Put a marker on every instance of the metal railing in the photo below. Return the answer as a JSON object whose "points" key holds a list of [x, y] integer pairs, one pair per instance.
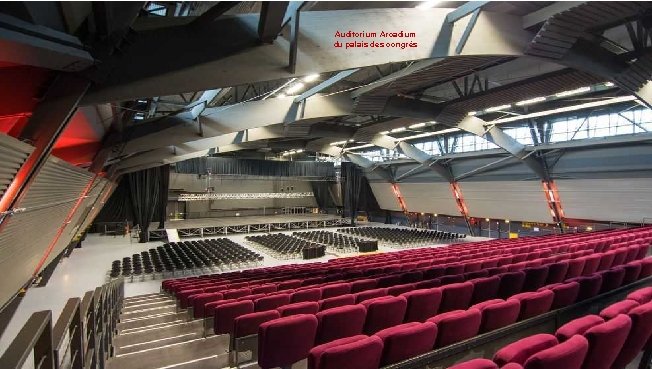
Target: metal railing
{"points": [[81, 338]]}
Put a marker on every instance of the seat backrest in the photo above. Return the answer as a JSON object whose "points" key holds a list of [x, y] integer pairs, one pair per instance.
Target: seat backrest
{"points": [[400, 289], [567, 355], [290, 284], [607, 260], [589, 286], [360, 352], [475, 364], [284, 341], [511, 283], [499, 314], [557, 272], [535, 278], [612, 279], [369, 294], [422, 304], [642, 296], [534, 303], [384, 312], [248, 324], [389, 280], [272, 302], [340, 322], [450, 279], [518, 352], [639, 335], [605, 341], [310, 294], [485, 288], [336, 301], [632, 272], [336, 289], [577, 326], [404, 341], [591, 264], [266, 288], [456, 326], [620, 307], [456, 296], [565, 294], [363, 285], [227, 313], [203, 299], [306, 307]]}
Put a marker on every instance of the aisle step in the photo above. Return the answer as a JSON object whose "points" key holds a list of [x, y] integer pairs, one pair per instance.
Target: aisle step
{"points": [[158, 333], [147, 305], [142, 313], [137, 323]]}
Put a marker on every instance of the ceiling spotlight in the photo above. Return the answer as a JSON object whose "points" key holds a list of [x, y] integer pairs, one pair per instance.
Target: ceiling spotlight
{"points": [[531, 101], [294, 88], [574, 92], [299, 151], [399, 129], [497, 108], [609, 84], [351, 140], [471, 113], [418, 125], [281, 95], [427, 4], [384, 132], [311, 78], [338, 143]]}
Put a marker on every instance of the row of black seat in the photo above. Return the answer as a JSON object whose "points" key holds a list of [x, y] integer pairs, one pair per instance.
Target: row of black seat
{"points": [[221, 253], [283, 246], [334, 241], [403, 237]]}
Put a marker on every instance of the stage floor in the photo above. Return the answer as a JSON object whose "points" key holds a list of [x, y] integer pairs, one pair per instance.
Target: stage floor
{"points": [[242, 221]]}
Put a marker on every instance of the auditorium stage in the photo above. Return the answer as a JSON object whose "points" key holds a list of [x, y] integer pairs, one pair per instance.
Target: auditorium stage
{"points": [[204, 227]]}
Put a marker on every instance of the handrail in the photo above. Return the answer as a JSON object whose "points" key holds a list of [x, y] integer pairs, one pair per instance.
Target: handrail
{"points": [[35, 336], [69, 325], [558, 317]]}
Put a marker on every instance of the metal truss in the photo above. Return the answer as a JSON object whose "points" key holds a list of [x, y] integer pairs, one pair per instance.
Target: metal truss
{"points": [[243, 196]]}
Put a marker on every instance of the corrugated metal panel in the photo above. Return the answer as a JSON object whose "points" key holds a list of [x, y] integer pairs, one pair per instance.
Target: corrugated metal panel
{"points": [[107, 189], [511, 200], [13, 154], [385, 196], [27, 235], [614, 199], [435, 198]]}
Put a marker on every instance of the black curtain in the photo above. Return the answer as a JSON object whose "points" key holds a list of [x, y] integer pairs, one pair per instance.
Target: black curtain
{"points": [[139, 198], [254, 167], [352, 184], [323, 194]]}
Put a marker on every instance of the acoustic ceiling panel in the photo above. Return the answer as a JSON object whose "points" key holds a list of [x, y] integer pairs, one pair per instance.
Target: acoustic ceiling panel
{"points": [[385, 196], [435, 198], [522, 200], [612, 199]]}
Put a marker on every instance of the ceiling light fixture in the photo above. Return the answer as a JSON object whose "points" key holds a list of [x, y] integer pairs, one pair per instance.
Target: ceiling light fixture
{"points": [[338, 143], [294, 88], [573, 92], [609, 84], [311, 78], [281, 95], [471, 113], [399, 129], [428, 134], [531, 101], [384, 132], [418, 125], [497, 108], [427, 4]]}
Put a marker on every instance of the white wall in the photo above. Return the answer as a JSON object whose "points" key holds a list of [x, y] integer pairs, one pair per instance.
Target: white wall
{"points": [[514, 200], [435, 198], [612, 199], [385, 196]]}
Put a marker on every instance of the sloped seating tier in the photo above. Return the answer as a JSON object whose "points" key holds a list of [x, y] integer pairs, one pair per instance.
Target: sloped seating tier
{"points": [[611, 340], [220, 253], [403, 237], [366, 280]]}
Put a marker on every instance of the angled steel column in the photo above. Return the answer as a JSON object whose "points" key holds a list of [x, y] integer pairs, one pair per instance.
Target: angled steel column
{"points": [[48, 120]]}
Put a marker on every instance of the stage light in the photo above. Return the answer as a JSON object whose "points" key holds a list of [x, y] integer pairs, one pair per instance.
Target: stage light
{"points": [[311, 78]]}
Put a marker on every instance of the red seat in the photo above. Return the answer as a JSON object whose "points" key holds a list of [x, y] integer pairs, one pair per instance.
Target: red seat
{"points": [[565, 294], [535, 278], [234, 294], [518, 352], [360, 352], [456, 296], [577, 326], [406, 340], [484, 289], [384, 312], [336, 301], [497, 313], [310, 294], [557, 272], [620, 307], [363, 285], [284, 341], [575, 267], [369, 294], [534, 303], [511, 283], [225, 315], [589, 286], [605, 341], [642, 296], [475, 364], [272, 302], [202, 299], [400, 289], [248, 324], [567, 355], [306, 307], [334, 290], [632, 271], [591, 264], [422, 304], [265, 288], [611, 279], [340, 322], [456, 326]]}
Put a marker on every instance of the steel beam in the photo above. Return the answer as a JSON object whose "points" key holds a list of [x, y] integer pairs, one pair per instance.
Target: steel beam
{"points": [[271, 20], [417, 66], [464, 10], [542, 15], [325, 84], [29, 44], [213, 13], [43, 129], [145, 69]]}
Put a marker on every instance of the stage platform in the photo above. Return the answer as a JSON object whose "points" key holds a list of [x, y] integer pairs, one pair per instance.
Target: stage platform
{"points": [[207, 227]]}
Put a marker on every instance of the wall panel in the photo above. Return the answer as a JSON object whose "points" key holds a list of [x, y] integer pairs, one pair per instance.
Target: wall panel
{"points": [[514, 200], [613, 199], [435, 198], [385, 196], [12, 155], [26, 235]]}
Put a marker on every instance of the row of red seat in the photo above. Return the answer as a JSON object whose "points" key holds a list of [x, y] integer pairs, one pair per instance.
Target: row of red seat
{"points": [[610, 340], [407, 326]]}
